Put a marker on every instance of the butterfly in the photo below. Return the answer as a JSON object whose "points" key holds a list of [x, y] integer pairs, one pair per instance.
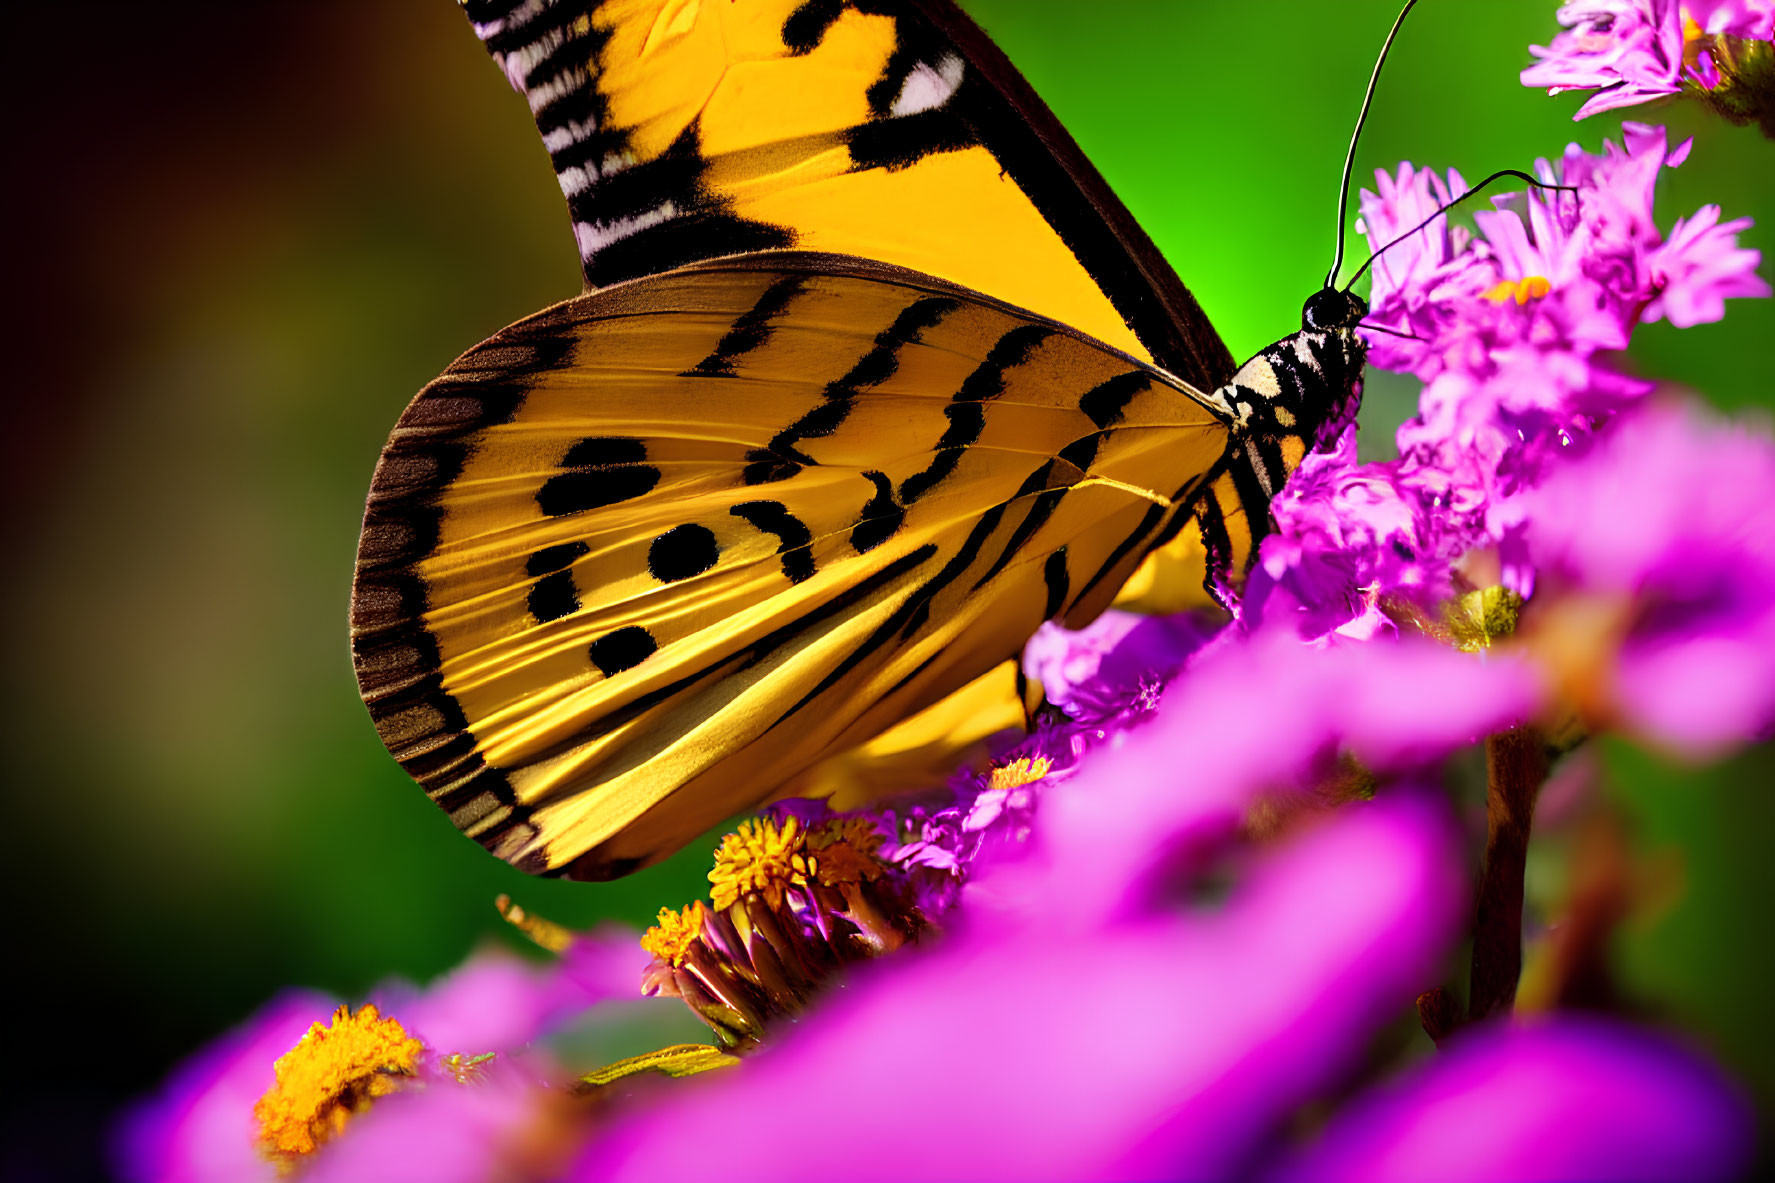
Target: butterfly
{"points": [[872, 375]]}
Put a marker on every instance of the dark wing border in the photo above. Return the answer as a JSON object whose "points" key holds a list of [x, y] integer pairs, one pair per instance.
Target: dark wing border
{"points": [[1047, 163]]}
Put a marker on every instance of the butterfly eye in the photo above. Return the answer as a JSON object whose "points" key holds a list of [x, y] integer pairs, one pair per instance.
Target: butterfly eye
{"points": [[1329, 309]]}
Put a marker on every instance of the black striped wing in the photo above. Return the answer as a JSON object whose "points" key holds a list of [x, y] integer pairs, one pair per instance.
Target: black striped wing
{"points": [[636, 561], [685, 130]]}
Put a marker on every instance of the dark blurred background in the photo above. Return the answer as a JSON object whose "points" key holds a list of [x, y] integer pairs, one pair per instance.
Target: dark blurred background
{"points": [[243, 235]]}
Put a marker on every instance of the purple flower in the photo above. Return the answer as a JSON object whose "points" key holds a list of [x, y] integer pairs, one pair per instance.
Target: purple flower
{"points": [[1513, 327], [1083, 671], [1632, 50], [1635, 51], [1395, 706], [1569, 1099], [1658, 557], [1700, 267], [504, 1120], [200, 1126], [1172, 1043]]}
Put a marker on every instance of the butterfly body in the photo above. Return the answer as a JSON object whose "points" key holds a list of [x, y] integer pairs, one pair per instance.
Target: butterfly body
{"points": [[637, 562]]}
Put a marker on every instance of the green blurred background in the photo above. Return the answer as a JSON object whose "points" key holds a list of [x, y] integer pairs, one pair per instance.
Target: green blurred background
{"points": [[244, 235]]}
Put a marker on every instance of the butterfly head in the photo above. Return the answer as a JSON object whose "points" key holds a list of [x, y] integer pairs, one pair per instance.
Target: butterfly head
{"points": [[1308, 385], [1330, 310]]}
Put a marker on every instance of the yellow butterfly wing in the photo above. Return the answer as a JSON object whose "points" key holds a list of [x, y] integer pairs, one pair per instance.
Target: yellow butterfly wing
{"points": [[638, 560], [684, 130]]}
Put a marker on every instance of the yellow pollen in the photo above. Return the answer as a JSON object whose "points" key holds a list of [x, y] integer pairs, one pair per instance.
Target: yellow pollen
{"points": [[761, 858], [1479, 618], [670, 939], [1024, 770], [1532, 288], [332, 1074], [844, 851], [1692, 30]]}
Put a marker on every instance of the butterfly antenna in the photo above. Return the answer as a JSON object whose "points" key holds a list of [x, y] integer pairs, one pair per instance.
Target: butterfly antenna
{"points": [[1446, 206], [1343, 197]]}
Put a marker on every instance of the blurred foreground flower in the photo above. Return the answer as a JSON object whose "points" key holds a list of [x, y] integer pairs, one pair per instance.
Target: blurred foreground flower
{"points": [[202, 1127], [1657, 586], [1635, 51], [1162, 1012], [1569, 1099]]}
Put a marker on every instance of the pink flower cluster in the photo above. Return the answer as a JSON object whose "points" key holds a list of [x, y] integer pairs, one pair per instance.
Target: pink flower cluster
{"points": [[1634, 51], [1511, 330]]}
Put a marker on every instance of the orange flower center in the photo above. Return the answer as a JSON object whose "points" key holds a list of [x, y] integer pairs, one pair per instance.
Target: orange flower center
{"points": [[329, 1077], [1522, 291]]}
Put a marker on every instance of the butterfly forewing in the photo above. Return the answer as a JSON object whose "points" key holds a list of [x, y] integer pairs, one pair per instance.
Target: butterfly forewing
{"points": [[683, 130], [637, 561]]}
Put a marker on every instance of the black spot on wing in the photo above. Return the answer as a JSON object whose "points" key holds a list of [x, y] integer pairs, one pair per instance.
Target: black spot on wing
{"points": [[966, 422], [681, 552], [914, 42], [1012, 349], [1104, 404], [594, 488], [622, 650], [881, 516], [485, 12], [807, 25], [555, 558], [941, 465], [764, 467], [793, 536], [602, 470], [604, 450], [822, 611], [553, 596]]}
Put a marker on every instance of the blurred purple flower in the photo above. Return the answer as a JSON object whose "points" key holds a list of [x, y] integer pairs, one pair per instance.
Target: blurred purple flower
{"points": [[1634, 51], [1171, 1043], [200, 1127], [1568, 1099], [1630, 50], [1395, 706], [1662, 540], [478, 1131]]}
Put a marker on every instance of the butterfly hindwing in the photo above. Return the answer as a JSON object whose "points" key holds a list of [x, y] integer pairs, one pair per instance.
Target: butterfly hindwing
{"points": [[685, 130], [636, 561]]}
